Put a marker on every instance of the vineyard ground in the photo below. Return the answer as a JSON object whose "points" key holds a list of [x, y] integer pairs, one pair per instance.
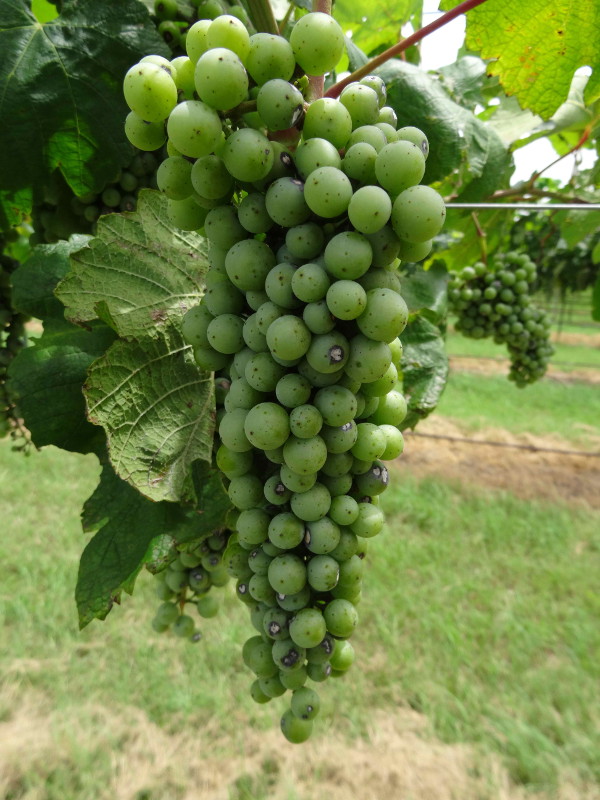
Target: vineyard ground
{"points": [[477, 643]]}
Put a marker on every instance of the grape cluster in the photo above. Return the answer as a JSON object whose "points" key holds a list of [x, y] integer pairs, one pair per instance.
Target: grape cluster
{"points": [[188, 580], [494, 300], [62, 213], [300, 318], [173, 18], [12, 339]]}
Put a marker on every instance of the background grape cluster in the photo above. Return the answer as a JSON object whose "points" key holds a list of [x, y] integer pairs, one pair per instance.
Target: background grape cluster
{"points": [[299, 321], [495, 300], [188, 581], [12, 339]]}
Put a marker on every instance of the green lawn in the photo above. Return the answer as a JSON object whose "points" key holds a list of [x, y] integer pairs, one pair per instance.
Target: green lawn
{"points": [[479, 610], [546, 407], [568, 355]]}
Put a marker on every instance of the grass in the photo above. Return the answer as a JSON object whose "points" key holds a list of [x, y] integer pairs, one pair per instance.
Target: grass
{"points": [[480, 611], [566, 354], [546, 407]]}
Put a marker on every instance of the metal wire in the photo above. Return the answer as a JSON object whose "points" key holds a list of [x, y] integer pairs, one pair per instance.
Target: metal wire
{"points": [[531, 447], [530, 206]]}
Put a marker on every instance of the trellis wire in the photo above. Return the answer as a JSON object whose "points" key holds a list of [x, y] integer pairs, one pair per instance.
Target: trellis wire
{"points": [[491, 443], [529, 206]]}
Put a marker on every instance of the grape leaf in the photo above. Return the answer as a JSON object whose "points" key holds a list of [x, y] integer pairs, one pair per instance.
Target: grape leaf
{"points": [[47, 377], [376, 25], [34, 282], [61, 100], [132, 531], [536, 47], [157, 409], [138, 274], [424, 368], [424, 291], [457, 139], [46, 380]]}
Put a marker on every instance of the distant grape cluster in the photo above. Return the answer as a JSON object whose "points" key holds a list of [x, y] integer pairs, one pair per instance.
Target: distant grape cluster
{"points": [[494, 300], [173, 18], [300, 319], [62, 213], [12, 339], [188, 581]]}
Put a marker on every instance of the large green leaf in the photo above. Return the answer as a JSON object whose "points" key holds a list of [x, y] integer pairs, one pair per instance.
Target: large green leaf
{"points": [[46, 380], [424, 368], [34, 282], [138, 274], [457, 139], [47, 377], [61, 101], [537, 46], [132, 531], [157, 408], [425, 291], [376, 25]]}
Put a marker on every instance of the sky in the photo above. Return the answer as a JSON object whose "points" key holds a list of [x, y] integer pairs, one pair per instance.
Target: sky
{"points": [[440, 48]]}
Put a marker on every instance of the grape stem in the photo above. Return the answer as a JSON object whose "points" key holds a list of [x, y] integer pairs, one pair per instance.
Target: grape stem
{"points": [[400, 47], [316, 83], [261, 14]]}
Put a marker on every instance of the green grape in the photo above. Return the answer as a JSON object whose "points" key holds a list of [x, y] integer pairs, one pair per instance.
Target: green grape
{"points": [[186, 214], [368, 134], [220, 78], [183, 75], [312, 504], [286, 531], [399, 165], [385, 315], [305, 456], [318, 42], [310, 282], [278, 286], [359, 162], [343, 656], [369, 209], [305, 241], [418, 214], [314, 153], [412, 252], [305, 421], [292, 390], [378, 85], [150, 91], [369, 360], [210, 178], [272, 687], [196, 39], [279, 104], [336, 404], [368, 523], [288, 337], [263, 373], [267, 426], [388, 116], [207, 606], [248, 155], [348, 255], [194, 128], [328, 192], [341, 617], [362, 103], [232, 433], [339, 439], [227, 31], [391, 409], [305, 703], [225, 333], [144, 135], [253, 215], [307, 628], [318, 317], [183, 626], [285, 202], [223, 228], [248, 263], [414, 135], [252, 526], [287, 655], [269, 57], [327, 119], [346, 299], [256, 655]]}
